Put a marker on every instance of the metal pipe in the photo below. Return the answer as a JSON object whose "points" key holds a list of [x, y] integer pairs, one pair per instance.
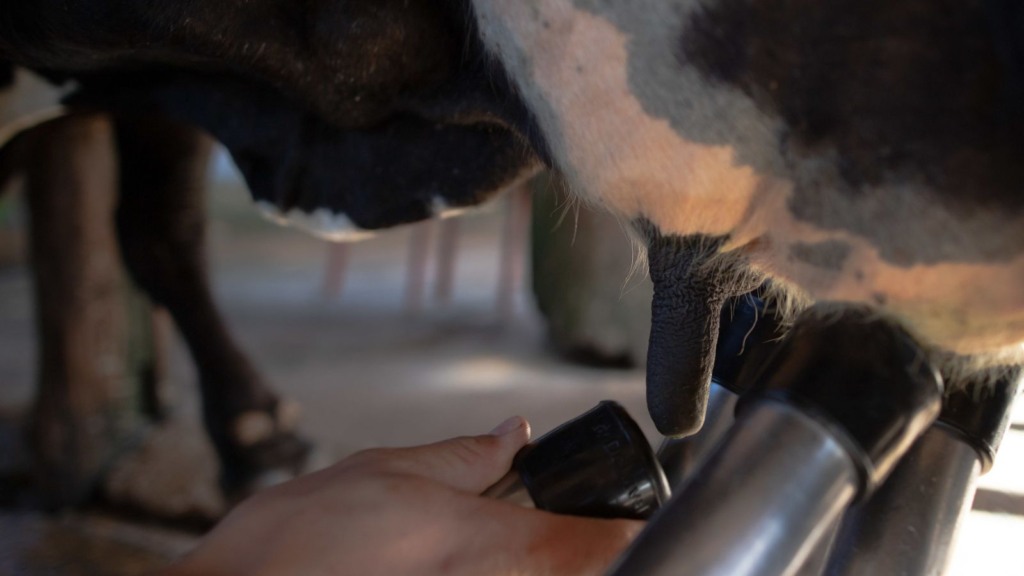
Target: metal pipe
{"points": [[908, 526], [817, 561], [824, 420], [679, 457], [765, 496]]}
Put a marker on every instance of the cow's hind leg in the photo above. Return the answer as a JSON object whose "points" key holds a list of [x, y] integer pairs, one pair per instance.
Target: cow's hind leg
{"points": [[83, 413], [160, 225]]}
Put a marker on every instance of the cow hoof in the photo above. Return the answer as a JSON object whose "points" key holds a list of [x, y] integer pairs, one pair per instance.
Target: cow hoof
{"points": [[253, 427], [264, 450], [171, 475], [287, 414], [280, 457]]}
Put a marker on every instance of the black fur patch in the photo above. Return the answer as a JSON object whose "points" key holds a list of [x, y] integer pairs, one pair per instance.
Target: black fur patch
{"points": [[373, 108], [353, 63], [382, 176], [828, 255], [916, 91], [6, 74]]}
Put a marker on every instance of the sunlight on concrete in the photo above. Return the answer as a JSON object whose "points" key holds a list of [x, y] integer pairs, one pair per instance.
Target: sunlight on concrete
{"points": [[1007, 474], [990, 545]]}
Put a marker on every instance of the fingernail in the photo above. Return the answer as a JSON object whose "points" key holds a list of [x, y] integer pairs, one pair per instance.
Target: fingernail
{"points": [[508, 426]]}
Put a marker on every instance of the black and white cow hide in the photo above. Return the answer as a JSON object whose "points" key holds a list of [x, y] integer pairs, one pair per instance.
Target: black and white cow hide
{"points": [[864, 152]]}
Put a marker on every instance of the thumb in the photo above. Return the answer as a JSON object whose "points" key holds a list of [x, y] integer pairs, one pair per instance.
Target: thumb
{"points": [[469, 463]]}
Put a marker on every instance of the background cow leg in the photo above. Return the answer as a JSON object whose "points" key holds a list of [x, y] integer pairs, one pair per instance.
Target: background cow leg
{"points": [[161, 224], [86, 410]]}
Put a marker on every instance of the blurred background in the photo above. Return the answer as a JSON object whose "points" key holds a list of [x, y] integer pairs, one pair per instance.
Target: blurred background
{"points": [[414, 335]]}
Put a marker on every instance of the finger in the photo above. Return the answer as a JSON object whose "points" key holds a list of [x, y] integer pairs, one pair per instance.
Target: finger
{"points": [[469, 463]]}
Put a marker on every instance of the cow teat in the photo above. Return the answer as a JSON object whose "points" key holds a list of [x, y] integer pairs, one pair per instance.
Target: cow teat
{"points": [[692, 282]]}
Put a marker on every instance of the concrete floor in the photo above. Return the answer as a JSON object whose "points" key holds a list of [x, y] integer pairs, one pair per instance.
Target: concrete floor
{"points": [[368, 373]]}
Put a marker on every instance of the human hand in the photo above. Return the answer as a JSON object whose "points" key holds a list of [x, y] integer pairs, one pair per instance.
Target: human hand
{"points": [[406, 511]]}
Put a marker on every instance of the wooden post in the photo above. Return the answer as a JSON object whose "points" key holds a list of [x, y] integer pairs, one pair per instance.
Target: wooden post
{"points": [[338, 255], [513, 249], [420, 237], [447, 256]]}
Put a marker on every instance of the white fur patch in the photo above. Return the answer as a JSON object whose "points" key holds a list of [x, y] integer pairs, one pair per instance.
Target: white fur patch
{"points": [[31, 101], [338, 227], [321, 223], [440, 208]]}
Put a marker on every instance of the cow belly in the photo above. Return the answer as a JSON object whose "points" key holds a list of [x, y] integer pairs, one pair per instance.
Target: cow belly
{"points": [[578, 72], [644, 136], [964, 308], [915, 266]]}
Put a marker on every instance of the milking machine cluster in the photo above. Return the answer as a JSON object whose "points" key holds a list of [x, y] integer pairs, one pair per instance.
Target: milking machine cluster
{"points": [[832, 451]]}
